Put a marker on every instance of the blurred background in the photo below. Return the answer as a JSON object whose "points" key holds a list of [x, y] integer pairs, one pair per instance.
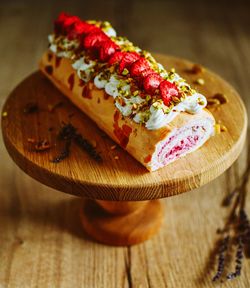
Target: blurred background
{"points": [[213, 33]]}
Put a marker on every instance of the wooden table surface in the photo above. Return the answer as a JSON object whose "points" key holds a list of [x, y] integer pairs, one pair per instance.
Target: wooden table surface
{"points": [[41, 240]]}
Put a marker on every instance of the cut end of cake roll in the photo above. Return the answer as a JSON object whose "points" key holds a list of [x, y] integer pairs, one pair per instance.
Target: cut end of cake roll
{"points": [[182, 141]]}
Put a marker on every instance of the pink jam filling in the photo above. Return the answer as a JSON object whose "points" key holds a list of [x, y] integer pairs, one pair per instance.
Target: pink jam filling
{"points": [[184, 144], [182, 147]]}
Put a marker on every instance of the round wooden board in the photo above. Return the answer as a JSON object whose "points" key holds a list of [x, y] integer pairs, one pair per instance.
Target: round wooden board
{"points": [[123, 179]]}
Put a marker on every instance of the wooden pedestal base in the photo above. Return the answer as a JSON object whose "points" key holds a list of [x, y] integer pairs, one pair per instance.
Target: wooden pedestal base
{"points": [[121, 223]]}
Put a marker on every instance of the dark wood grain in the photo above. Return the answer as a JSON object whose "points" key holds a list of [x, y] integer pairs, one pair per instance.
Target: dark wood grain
{"points": [[41, 240]]}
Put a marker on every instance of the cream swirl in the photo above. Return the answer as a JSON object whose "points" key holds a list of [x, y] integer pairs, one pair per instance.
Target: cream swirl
{"points": [[84, 68], [192, 104]]}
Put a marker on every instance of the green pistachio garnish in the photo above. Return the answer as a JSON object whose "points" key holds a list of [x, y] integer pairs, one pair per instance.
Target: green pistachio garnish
{"points": [[125, 72], [175, 99], [136, 92]]}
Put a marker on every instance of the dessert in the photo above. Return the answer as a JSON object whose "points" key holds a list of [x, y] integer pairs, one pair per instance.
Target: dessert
{"points": [[152, 113]]}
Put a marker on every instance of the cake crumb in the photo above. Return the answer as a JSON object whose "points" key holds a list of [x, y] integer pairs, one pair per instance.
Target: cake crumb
{"points": [[113, 147], [196, 69], [199, 81], [116, 157], [94, 143]]}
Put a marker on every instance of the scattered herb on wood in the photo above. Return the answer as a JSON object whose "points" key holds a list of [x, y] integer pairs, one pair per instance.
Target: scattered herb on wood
{"points": [[39, 145], [69, 133], [195, 69], [30, 108], [4, 114], [216, 100], [52, 108], [65, 152], [236, 232]]}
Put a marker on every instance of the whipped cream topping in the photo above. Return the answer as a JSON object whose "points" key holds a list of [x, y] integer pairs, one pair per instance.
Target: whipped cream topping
{"points": [[153, 113]]}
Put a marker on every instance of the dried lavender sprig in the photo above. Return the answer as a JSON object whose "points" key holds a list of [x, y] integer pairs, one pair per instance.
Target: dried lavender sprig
{"points": [[65, 152], [238, 260], [239, 224], [87, 146], [221, 261], [69, 132], [228, 199]]}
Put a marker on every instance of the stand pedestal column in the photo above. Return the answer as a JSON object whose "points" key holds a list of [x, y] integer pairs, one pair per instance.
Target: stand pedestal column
{"points": [[121, 223]]}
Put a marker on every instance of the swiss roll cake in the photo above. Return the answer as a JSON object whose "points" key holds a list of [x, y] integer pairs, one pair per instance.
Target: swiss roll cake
{"points": [[152, 113]]}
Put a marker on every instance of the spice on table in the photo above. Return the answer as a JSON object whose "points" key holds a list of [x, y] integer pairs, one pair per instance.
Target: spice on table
{"points": [[238, 227], [30, 108], [39, 145], [64, 153], [31, 140], [87, 146], [69, 133], [223, 247], [51, 107], [113, 147]]}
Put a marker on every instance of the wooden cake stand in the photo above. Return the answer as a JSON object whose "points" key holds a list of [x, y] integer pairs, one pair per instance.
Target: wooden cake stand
{"points": [[120, 206]]}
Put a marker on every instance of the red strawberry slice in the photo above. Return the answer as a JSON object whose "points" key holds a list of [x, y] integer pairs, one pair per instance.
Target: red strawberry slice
{"points": [[69, 22], [145, 73], [94, 39], [116, 57], [128, 59], [152, 82], [138, 66], [107, 49], [64, 23], [58, 24], [81, 28], [167, 90]]}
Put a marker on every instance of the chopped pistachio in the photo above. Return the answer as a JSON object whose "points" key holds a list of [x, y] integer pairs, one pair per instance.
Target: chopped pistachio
{"points": [[112, 69], [136, 92], [125, 71], [200, 81], [221, 98], [201, 102], [217, 128], [212, 102], [223, 128]]}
